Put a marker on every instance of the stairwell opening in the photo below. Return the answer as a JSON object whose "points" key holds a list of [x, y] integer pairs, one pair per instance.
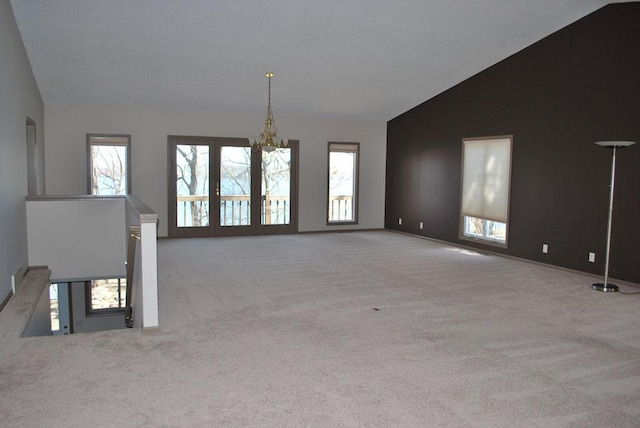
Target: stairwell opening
{"points": [[89, 305]]}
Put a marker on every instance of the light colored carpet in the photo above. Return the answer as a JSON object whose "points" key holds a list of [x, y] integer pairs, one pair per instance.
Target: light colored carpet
{"points": [[342, 330]]}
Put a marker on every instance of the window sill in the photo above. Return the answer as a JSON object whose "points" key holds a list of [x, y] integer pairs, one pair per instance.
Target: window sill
{"points": [[106, 313], [484, 241], [340, 223]]}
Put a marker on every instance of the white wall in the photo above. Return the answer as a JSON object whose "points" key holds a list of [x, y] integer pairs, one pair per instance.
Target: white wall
{"points": [[67, 126], [19, 99], [40, 320]]}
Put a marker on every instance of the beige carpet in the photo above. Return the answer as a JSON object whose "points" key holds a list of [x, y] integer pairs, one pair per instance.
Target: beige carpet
{"points": [[342, 330]]}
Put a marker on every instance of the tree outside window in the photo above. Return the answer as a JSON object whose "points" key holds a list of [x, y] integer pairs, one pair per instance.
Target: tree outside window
{"points": [[108, 164], [342, 204]]}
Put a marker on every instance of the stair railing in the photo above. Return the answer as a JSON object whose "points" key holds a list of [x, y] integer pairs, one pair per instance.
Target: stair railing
{"points": [[134, 236]]}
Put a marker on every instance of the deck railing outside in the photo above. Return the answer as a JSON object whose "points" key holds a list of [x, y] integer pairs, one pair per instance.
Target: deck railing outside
{"points": [[235, 210], [340, 208], [275, 210]]}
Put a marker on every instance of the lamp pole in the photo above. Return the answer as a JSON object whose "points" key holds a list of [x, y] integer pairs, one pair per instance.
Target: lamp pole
{"points": [[613, 145]]}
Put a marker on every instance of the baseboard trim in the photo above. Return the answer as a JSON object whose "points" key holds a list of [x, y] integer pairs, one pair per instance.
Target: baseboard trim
{"points": [[349, 230], [6, 300]]}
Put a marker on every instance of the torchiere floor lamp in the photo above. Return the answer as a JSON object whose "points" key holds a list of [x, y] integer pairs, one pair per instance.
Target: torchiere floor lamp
{"points": [[613, 145]]}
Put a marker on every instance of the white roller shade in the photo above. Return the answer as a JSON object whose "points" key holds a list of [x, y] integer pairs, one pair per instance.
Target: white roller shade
{"points": [[344, 147], [486, 175]]}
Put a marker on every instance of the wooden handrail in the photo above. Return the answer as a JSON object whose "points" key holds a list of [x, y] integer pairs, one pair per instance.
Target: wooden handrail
{"points": [[134, 236]]}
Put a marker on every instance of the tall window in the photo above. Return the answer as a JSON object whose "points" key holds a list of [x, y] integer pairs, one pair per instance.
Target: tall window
{"points": [[486, 177], [108, 164], [342, 206]]}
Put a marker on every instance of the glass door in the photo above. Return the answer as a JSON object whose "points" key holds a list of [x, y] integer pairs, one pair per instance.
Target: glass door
{"points": [[221, 187], [275, 192], [190, 186], [233, 187]]}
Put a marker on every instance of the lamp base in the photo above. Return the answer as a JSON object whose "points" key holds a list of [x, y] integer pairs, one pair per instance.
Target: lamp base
{"points": [[606, 288]]}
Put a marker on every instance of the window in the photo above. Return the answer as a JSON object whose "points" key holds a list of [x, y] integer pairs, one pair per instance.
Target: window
{"points": [[342, 204], [105, 296], [486, 176], [108, 164]]}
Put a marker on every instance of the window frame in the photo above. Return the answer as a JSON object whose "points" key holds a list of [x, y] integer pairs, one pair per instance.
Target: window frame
{"points": [[108, 140], [91, 311], [344, 147], [485, 238], [215, 229]]}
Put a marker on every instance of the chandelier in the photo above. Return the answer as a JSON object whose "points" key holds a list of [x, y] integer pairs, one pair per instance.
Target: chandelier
{"points": [[267, 140]]}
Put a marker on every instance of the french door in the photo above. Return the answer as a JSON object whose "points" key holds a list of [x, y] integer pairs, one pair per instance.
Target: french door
{"points": [[221, 187]]}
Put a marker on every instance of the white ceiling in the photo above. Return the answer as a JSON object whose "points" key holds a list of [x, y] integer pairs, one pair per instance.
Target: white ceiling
{"points": [[345, 59]]}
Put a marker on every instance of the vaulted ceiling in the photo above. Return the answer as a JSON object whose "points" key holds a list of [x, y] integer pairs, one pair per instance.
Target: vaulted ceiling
{"points": [[345, 59]]}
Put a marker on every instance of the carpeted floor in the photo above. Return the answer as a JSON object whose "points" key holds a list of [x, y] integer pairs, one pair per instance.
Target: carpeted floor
{"points": [[342, 330]]}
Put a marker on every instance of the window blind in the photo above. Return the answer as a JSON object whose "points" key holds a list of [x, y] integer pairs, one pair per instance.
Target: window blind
{"points": [[486, 174]]}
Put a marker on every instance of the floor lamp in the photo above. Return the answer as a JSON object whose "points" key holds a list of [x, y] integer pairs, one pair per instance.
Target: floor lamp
{"points": [[613, 145]]}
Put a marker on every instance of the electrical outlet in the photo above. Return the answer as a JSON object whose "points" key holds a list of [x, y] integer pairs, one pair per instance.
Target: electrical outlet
{"points": [[400, 221], [17, 278], [592, 257], [421, 225], [545, 248]]}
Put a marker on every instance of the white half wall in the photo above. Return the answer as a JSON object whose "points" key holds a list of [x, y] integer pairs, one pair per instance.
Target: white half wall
{"points": [[66, 128], [78, 239]]}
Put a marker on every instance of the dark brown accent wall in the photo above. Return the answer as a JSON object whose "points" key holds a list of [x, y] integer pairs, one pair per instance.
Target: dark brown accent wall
{"points": [[556, 97]]}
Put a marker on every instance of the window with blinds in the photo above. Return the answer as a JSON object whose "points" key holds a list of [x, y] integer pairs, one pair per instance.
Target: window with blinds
{"points": [[486, 180]]}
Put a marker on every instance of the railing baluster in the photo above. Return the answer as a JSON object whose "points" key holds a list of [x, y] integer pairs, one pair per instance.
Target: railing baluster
{"points": [[233, 213], [340, 208], [234, 210], [225, 213]]}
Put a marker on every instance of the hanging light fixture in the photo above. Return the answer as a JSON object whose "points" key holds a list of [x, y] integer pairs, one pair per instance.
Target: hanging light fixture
{"points": [[267, 140]]}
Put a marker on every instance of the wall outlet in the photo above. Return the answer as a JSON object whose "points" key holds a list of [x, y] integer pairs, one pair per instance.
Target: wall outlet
{"points": [[421, 225], [400, 221], [545, 248], [592, 257]]}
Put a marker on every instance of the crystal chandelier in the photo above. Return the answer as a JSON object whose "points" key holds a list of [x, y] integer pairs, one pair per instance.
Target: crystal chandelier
{"points": [[267, 140]]}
